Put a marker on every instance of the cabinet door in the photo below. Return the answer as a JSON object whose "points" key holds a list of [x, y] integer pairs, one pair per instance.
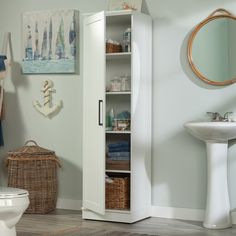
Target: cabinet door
{"points": [[94, 113]]}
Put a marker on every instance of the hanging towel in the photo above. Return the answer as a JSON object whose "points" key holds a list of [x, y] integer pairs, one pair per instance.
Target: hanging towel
{"points": [[5, 60], [2, 62], [1, 101], [3, 74], [1, 135]]}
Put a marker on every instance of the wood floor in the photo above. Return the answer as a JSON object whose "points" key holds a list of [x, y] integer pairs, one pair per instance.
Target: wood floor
{"points": [[32, 225]]}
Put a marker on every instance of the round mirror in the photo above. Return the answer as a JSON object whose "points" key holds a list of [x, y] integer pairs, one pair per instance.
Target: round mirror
{"points": [[212, 49]]}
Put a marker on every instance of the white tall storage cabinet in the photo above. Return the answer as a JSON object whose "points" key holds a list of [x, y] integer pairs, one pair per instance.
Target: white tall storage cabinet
{"points": [[99, 68]]}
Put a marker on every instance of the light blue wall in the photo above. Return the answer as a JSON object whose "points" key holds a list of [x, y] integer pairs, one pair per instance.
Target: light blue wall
{"points": [[63, 133], [179, 160]]}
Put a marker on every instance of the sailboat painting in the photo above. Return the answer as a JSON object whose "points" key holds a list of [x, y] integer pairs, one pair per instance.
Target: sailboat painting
{"points": [[50, 42]]}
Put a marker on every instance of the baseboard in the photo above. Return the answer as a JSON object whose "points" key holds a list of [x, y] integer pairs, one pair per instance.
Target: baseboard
{"points": [[68, 204], [156, 211], [178, 213], [182, 213], [233, 215]]}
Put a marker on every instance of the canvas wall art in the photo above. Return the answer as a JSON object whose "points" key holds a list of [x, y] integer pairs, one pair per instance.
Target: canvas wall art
{"points": [[50, 42]]}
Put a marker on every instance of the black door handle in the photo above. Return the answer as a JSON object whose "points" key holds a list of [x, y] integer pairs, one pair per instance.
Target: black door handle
{"points": [[100, 112]]}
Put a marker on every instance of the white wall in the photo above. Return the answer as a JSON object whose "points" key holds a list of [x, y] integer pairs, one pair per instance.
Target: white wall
{"points": [[179, 160]]}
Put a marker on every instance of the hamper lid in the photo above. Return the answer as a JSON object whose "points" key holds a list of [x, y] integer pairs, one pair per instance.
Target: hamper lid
{"points": [[31, 149], [8, 192]]}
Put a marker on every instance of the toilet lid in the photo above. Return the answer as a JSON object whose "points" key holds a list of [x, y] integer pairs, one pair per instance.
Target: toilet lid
{"points": [[8, 192]]}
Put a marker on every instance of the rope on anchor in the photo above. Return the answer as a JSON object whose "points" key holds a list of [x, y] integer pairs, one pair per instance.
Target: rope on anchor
{"points": [[46, 91]]}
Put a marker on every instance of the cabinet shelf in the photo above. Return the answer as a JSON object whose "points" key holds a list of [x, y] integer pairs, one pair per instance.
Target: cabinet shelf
{"points": [[119, 171], [125, 211], [118, 132], [118, 55], [119, 93]]}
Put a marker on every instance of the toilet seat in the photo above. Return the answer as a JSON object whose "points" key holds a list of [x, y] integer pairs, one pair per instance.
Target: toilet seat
{"points": [[8, 192]]}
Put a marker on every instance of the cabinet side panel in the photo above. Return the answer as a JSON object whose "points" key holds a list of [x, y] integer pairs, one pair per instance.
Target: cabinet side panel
{"points": [[141, 113], [93, 130]]}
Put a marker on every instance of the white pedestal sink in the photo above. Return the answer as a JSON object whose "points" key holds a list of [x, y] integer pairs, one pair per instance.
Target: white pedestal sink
{"points": [[216, 136]]}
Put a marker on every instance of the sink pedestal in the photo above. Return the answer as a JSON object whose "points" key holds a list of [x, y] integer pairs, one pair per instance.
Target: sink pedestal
{"points": [[216, 136], [217, 214]]}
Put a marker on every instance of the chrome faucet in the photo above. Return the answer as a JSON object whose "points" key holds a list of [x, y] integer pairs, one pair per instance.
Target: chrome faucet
{"points": [[216, 116]]}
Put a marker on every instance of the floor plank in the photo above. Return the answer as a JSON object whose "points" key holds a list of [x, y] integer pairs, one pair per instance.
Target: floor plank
{"points": [[59, 220]]}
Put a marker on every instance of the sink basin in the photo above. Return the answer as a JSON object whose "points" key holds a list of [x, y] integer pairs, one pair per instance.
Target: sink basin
{"points": [[216, 136], [215, 131]]}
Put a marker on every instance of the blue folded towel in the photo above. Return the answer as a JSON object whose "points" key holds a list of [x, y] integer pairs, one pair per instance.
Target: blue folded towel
{"points": [[119, 158], [119, 149], [118, 144], [118, 154]]}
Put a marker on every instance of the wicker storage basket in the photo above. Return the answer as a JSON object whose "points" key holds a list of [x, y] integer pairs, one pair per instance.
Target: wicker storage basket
{"points": [[118, 193], [113, 48], [35, 169]]}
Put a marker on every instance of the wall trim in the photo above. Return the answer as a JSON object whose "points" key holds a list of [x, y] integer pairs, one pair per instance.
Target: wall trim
{"points": [[178, 213], [182, 213], [233, 215], [156, 211], [69, 204]]}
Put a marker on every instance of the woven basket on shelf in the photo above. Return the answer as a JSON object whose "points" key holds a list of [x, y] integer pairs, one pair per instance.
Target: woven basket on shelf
{"points": [[113, 48], [118, 193], [35, 169]]}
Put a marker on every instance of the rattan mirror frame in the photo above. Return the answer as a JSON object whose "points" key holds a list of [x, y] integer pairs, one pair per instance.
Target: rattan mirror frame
{"points": [[217, 14]]}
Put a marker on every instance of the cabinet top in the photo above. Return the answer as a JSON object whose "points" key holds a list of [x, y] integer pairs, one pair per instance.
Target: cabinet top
{"points": [[122, 12], [117, 13]]}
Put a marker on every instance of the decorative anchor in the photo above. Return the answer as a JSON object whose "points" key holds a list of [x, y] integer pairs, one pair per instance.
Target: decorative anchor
{"points": [[47, 109]]}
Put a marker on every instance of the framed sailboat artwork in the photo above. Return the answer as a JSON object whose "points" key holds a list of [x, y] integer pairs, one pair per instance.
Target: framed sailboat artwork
{"points": [[50, 42]]}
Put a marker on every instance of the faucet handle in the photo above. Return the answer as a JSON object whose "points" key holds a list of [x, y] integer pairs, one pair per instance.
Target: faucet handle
{"points": [[215, 116], [226, 115]]}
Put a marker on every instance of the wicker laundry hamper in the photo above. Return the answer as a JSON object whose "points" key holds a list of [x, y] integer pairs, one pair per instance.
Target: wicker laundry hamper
{"points": [[34, 168]]}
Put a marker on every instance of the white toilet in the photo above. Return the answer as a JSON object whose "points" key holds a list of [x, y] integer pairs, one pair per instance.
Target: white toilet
{"points": [[13, 203]]}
